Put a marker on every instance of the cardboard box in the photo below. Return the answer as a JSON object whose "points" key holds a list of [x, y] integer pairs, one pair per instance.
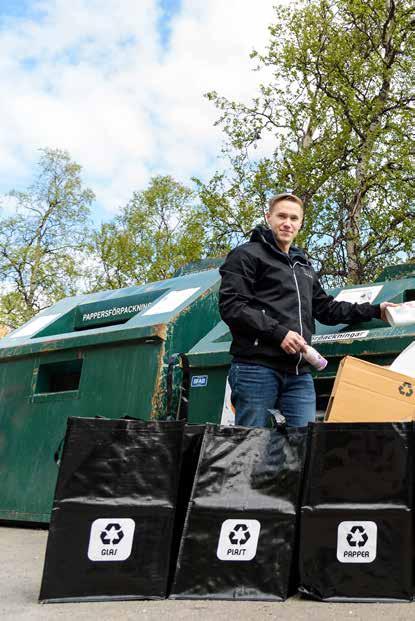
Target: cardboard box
{"points": [[364, 392]]}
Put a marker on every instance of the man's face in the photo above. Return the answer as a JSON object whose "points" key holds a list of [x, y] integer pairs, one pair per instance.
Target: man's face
{"points": [[285, 220]]}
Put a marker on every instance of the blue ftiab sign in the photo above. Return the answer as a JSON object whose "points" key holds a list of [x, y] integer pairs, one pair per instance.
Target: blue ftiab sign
{"points": [[199, 381]]}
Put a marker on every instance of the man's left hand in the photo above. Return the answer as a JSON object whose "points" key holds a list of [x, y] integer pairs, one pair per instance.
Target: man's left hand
{"points": [[383, 307]]}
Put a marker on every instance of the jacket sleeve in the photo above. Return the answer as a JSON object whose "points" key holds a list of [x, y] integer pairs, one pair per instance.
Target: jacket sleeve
{"points": [[326, 310], [237, 301]]}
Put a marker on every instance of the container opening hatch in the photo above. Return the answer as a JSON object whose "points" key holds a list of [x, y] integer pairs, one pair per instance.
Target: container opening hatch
{"points": [[110, 311], [409, 295], [114, 311], [58, 376]]}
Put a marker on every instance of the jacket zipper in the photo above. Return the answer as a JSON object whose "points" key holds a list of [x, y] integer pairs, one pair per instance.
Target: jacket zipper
{"points": [[299, 312], [292, 265]]}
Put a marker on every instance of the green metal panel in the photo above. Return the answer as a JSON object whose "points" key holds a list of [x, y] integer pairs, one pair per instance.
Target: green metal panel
{"points": [[206, 402], [374, 341], [103, 354]]}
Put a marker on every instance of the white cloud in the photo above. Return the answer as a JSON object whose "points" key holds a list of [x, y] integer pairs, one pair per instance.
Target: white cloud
{"points": [[92, 77]]}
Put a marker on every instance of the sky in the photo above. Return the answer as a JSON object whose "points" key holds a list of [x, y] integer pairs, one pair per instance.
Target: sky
{"points": [[119, 84]]}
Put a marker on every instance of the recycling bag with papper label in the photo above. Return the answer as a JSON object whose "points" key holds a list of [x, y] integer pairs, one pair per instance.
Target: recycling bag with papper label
{"points": [[239, 534], [356, 516], [112, 520]]}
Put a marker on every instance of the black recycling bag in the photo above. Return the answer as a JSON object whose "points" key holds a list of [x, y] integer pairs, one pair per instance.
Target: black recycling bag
{"points": [[239, 534], [113, 514], [192, 442], [356, 515]]}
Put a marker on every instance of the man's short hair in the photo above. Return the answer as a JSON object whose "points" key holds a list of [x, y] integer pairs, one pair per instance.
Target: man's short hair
{"points": [[284, 196]]}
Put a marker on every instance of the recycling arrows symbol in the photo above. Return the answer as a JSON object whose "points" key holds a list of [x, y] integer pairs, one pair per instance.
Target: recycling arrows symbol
{"points": [[406, 389], [239, 535], [357, 537], [113, 538]]}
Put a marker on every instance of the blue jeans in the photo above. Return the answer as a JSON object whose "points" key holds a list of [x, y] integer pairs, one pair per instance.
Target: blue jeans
{"points": [[256, 389]]}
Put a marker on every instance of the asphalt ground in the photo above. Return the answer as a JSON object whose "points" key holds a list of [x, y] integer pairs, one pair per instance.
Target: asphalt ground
{"points": [[22, 554]]}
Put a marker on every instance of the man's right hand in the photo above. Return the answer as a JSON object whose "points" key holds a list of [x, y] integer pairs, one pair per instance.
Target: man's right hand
{"points": [[293, 343]]}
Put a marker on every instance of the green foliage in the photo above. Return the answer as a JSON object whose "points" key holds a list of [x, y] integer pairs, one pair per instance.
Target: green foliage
{"points": [[337, 116], [158, 231], [332, 122], [40, 246]]}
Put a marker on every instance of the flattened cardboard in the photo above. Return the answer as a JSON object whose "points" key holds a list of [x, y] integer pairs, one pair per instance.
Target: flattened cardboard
{"points": [[365, 392]]}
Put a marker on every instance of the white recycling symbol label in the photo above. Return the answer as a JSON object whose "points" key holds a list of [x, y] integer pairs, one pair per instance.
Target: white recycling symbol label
{"points": [[111, 539], [238, 540], [357, 542]]}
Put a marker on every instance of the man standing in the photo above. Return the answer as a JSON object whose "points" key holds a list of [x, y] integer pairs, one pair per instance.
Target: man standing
{"points": [[269, 298]]}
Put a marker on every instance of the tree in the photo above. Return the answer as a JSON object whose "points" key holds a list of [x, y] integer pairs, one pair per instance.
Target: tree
{"points": [[338, 112], [159, 230], [40, 246]]}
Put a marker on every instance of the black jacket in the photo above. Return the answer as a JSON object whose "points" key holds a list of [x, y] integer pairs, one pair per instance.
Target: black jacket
{"points": [[265, 293]]}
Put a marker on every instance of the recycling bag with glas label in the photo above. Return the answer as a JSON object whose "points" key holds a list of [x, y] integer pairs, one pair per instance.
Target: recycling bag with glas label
{"points": [[113, 514], [356, 515], [239, 536], [192, 440]]}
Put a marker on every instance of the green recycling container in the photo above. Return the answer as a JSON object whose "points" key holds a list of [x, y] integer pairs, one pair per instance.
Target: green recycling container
{"points": [[374, 341], [102, 354]]}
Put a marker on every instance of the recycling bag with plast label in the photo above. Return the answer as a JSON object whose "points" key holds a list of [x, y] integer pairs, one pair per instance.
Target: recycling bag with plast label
{"points": [[356, 515], [239, 536], [113, 514]]}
